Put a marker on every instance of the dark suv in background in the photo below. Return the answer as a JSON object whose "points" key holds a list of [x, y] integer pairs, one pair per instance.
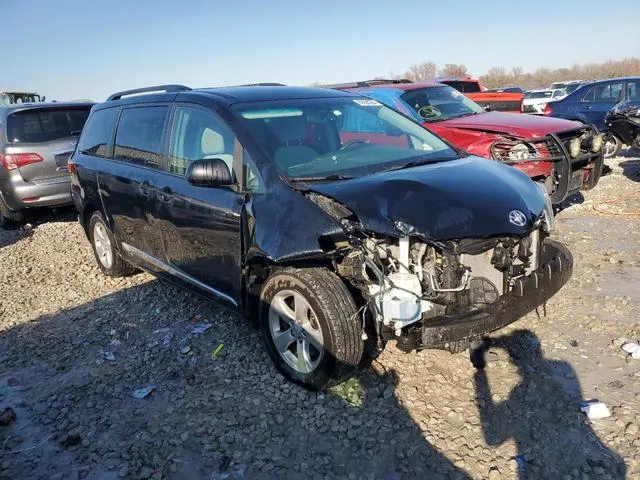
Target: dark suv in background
{"points": [[285, 204], [35, 143]]}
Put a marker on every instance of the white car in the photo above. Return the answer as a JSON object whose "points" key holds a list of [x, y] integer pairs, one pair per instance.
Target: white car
{"points": [[535, 100]]}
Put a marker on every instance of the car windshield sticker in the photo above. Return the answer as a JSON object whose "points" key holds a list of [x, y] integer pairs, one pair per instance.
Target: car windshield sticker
{"points": [[367, 102]]}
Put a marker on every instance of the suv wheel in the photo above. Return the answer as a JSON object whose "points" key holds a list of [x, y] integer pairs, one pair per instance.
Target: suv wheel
{"points": [[612, 146], [9, 219], [109, 260], [309, 327]]}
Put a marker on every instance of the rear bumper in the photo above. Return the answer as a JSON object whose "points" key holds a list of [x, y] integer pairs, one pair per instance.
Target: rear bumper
{"points": [[18, 194], [556, 267]]}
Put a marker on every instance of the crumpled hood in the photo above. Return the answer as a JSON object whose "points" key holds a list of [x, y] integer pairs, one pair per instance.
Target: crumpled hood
{"points": [[517, 124], [466, 198]]}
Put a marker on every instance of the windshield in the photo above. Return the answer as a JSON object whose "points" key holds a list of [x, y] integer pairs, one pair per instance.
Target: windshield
{"points": [[543, 94], [341, 137], [434, 104], [572, 88]]}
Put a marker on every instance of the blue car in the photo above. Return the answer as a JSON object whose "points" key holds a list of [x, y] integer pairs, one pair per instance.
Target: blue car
{"points": [[591, 102]]}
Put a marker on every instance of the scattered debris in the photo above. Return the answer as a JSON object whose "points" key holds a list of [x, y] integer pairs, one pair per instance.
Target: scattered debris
{"points": [[7, 416], [109, 356], [217, 350], [184, 345], [573, 343], [595, 409], [200, 328], [143, 392], [617, 384], [520, 461], [633, 349], [13, 381]]}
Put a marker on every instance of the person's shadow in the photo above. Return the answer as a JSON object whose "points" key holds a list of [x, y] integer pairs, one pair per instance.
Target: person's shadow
{"points": [[542, 413]]}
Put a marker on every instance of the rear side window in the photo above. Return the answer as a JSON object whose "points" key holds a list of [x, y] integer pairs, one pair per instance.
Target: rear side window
{"points": [[38, 126], [139, 135], [464, 87], [95, 137]]}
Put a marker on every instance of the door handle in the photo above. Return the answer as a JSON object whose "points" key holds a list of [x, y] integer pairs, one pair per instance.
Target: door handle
{"points": [[145, 188], [166, 194]]}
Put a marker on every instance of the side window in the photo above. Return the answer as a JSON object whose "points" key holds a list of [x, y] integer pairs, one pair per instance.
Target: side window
{"points": [[589, 95], [139, 136], [609, 92], [633, 89], [97, 132], [198, 134]]}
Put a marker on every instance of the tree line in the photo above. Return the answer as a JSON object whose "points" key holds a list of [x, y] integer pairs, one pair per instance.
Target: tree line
{"points": [[540, 78]]}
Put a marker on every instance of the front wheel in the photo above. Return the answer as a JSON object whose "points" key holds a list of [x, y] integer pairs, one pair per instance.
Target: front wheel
{"points": [[309, 326], [611, 147]]}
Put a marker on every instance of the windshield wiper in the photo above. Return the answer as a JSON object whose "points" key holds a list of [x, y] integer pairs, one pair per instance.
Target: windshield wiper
{"points": [[333, 176]]}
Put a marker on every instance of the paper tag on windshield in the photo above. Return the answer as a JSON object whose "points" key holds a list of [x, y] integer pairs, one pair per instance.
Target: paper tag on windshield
{"points": [[367, 102]]}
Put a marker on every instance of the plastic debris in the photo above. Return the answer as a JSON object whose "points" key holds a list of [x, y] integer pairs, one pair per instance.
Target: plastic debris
{"points": [[519, 459], [200, 328], [595, 409], [109, 356], [113, 332], [217, 350], [166, 340], [7, 416], [143, 392], [115, 342], [184, 345], [633, 349], [99, 361], [13, 381]]}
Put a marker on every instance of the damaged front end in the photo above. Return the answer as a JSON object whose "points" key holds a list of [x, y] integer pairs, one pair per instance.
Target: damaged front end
{"points": [[441, 294]]}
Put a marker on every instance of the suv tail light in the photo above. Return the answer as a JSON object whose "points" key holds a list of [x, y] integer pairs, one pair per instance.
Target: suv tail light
{"points": [[12, 161], [547, 110]]}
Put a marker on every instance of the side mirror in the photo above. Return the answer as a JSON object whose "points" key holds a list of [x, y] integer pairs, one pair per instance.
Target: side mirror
{"points": [[208, 172], [43, 98], [487, 108]]}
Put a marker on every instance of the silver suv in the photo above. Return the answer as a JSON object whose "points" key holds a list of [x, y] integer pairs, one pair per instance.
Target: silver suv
{"points": [[35, 143]]}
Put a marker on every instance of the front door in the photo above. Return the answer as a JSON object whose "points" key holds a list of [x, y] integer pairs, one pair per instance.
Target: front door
{"points": [[128, 183], [599, 99], [201, 225]]}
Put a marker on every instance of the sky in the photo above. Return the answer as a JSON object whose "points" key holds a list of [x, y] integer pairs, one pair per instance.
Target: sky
{"points": [[72, 49]]}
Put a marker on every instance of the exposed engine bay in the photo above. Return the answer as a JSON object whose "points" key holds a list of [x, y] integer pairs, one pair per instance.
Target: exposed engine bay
{"points": [[408, 281]]}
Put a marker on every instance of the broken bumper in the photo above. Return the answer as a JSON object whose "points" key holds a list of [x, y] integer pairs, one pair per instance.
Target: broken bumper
{"points": [[529, 292]]}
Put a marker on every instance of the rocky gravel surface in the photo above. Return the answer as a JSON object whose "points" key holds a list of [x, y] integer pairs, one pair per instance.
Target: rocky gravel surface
{"points": [[74, 345]]}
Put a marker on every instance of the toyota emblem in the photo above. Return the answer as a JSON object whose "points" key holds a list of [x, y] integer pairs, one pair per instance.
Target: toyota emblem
{"points": [[517, 218]]}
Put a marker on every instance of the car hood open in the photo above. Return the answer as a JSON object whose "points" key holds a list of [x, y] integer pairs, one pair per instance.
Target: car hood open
{"points": [[520, 125], [465, 198]]}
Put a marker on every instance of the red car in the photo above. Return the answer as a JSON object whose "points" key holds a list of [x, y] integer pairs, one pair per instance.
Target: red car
{"points": [[565, 155]]}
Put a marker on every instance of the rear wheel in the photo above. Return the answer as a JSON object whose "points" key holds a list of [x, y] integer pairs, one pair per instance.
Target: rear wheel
{"points": [[611, 147], [309, 327], [8, 218], [109, 260]]}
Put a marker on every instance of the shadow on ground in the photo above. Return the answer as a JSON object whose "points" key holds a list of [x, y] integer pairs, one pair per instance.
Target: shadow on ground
{"points": [[32, 219], [527, 421], [208, 417], [631, 168], [232, 415]]}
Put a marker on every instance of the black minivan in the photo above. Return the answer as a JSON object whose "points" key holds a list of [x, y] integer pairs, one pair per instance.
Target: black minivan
{"points": [[335, 222]]}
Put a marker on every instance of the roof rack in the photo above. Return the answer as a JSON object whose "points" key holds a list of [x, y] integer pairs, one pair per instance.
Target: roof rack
{"points": [[367, 83], [158, 88], [262, 84]]}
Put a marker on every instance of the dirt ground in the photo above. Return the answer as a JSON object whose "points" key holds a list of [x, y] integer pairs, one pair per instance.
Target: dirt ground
{"points": [[74, 345]]}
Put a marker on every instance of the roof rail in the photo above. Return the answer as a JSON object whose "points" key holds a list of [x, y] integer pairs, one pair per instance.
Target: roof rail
{"points": [[262, 84], [366, 83], [157, 88]]}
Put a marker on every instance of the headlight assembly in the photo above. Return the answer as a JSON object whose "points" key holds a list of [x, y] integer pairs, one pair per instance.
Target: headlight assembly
{"points": [[519, 152], [574, 147], [596, 142]]}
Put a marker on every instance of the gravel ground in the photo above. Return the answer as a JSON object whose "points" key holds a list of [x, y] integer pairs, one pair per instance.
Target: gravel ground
{"points": [[421, 415]]}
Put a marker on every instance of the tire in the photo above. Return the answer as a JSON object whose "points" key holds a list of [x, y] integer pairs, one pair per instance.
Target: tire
{"points": [[103, 244], [323, 346], [8, 218], [615, 144]]}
